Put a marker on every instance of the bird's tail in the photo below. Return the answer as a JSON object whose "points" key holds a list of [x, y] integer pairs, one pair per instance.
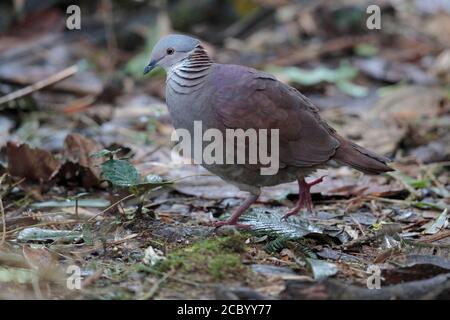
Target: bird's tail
{"points": [[361, 159]]}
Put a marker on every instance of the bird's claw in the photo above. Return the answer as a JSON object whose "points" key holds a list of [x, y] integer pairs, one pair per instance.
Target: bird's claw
{"points": [[290, 213], [314, 182], [218, 224]]}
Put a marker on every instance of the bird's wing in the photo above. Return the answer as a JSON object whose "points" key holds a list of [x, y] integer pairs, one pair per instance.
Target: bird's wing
{"points": [[254, 99]]}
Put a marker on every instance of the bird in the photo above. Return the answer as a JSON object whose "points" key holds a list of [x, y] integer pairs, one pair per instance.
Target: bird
{"points": [[228, 96]]}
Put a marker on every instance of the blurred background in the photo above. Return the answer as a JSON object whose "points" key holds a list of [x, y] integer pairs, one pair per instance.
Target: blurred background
{"points": [[65, 94], [323, 48]]}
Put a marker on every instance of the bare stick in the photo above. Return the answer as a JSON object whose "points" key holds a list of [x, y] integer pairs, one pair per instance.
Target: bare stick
{"points": [[57, 77], [2, 212]]}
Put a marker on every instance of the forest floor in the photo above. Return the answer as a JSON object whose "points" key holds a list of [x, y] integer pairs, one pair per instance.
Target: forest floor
{"points": [[93, 207]]}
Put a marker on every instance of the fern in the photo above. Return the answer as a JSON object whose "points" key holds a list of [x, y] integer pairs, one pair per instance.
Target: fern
{"points": [[271, 224], [303, 247], [298, 245], [290, 233], [277, 244]]}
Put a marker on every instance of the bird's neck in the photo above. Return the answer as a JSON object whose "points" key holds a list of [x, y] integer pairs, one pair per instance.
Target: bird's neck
{"points": [[199, 57], [190, 73]]}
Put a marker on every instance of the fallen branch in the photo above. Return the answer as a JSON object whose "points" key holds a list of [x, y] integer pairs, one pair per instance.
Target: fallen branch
{"points": [[57, 77], [316, 51]]}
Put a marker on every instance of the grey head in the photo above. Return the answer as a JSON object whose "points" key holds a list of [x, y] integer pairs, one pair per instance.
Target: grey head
{"points": [[170, 50]]}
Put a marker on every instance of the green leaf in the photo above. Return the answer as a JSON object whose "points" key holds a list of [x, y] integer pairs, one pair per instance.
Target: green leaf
{"points": [[144, 187], [87, 234], [80, 195], [105, 153], [43, 235], [315, 76], [120, 173], [414, 183], [16, 275], [321, 269], [86, 203], [352, 89], [366, 50], [427, 205], [340, 76]]}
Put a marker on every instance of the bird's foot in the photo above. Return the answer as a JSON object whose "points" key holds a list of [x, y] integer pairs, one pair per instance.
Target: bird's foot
{"points": [[292, 212], [304, 197], [233, 220], [312, 183], [230, 222]]}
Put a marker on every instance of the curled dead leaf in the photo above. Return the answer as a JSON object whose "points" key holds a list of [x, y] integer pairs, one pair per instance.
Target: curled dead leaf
{"points": [[78, 167], [30, 163]]}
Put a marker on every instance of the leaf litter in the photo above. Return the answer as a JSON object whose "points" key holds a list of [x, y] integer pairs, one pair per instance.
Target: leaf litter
{"points": [[137, 225]]}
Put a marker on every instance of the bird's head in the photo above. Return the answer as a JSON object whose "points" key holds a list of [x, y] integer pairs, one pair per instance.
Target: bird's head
{"points": [[170, 50]]}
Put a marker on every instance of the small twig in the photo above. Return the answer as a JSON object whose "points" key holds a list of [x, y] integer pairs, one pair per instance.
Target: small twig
{"points": [[57, 77], [36, 286], [80, 104], [112, 206], [405, 202], [358, 242], [358, 225], [435, 237], [76, 208], [429, 173], [182, 280], [158, 283], [2, 212], [316, 51], [11, 187], [400, 179], [426, 244], [91, 279], [111, 39], [105, 245]]}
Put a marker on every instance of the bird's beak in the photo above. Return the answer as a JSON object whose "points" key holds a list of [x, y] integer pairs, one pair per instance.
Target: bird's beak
{"points": [[152, 65]]}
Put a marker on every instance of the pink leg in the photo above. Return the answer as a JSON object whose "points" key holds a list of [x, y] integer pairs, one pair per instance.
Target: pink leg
{"points": [[304, 196], [239, 211]]}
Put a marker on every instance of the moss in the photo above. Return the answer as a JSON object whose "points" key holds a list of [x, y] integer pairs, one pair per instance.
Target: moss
{"points": [[235, 243], [218, 257], [225, 264]]}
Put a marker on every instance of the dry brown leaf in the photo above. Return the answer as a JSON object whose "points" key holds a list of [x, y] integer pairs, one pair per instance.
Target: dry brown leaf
{"points": [[42, 262], [78, 167], [30, 163]]}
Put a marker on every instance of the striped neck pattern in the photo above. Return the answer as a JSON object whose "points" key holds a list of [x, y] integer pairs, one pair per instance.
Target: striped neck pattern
{"points": [[189, 74]]}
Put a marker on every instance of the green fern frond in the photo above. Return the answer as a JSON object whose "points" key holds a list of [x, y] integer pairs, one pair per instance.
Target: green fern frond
{"points": [[262, 222], [277, 244], [301, 246]]}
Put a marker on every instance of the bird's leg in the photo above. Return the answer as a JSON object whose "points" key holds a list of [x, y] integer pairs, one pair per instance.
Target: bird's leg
{"points": [[239, 211], [304, 196]]}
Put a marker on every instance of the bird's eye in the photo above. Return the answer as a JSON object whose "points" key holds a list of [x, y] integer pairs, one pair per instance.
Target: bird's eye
{"points": [[170, 50]]}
